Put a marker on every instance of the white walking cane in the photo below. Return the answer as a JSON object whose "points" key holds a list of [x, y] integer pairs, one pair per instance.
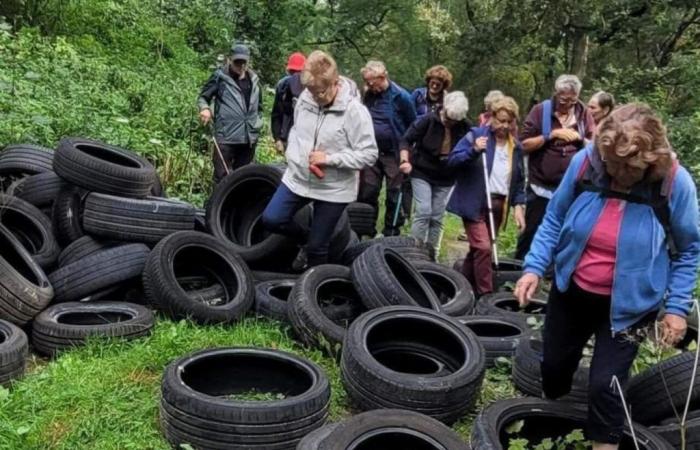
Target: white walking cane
{"points": [[492, 230]]}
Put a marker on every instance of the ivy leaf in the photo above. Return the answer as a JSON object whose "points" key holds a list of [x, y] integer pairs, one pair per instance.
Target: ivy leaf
{"points": [[515, 427]]}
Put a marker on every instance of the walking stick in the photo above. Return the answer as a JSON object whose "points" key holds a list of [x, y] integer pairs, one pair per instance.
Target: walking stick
{"points": [[218, 150], [396, 211], [492, 230]]}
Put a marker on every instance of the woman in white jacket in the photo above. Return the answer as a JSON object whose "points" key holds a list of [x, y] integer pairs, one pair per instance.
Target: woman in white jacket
{"points": [[332, 132]]}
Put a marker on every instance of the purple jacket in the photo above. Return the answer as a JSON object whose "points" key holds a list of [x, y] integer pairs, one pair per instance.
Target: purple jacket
{"points": [[468, 198]]}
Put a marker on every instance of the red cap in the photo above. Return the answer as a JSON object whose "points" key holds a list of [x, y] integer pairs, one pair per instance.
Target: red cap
{"points": [[296, 61]]}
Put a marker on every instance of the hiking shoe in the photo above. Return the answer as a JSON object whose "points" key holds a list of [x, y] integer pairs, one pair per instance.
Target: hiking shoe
{"points": [[301, 262]]}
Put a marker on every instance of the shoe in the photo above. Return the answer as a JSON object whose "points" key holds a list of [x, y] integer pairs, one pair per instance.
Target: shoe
{"points": [[462, 237], [301, 262]]}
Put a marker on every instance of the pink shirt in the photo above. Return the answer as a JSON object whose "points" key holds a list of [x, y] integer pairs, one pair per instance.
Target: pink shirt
{"points": [[596, 267]]}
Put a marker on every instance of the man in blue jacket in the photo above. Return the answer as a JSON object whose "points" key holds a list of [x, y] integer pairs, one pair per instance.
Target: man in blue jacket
{"points": [[392, 111]]}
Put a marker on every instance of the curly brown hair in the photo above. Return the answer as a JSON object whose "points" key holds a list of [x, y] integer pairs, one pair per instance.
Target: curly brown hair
{"points": [[441, 73], [634, 135]]}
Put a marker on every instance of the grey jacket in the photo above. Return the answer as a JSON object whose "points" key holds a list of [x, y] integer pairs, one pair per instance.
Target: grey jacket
{"points": [[344, 131], [234, 123]]}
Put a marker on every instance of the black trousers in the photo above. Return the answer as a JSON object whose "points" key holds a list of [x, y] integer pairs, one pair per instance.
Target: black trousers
{"points": [[235, 156], [371, 178], [534, 213], [572, 318]]}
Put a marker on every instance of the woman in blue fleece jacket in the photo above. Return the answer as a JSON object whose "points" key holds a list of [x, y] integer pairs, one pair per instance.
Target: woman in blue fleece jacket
{"points": [[615, 265]]}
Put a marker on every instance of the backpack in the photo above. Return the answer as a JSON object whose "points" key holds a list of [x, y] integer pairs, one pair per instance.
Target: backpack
{"points": [[547, 121], [658, 201]]}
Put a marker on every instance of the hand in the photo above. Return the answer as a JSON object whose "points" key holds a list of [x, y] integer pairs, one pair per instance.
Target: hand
{"points": [[519, 215], [279, 146], [672, 329], [318, 158], [565, 134], [405, 167], [205, 116], [480, 144], [525, 288]]}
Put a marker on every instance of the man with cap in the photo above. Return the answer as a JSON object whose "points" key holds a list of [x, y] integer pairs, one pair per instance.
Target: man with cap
{"points": [[237, 96], [286, 93]]}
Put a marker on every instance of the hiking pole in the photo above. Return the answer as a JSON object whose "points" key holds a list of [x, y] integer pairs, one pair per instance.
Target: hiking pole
{"points": [[492, 230], [218, 150], [396, 211]]}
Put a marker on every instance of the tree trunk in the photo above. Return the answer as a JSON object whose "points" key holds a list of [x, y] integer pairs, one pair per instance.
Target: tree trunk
{"points": [[579, 53]]}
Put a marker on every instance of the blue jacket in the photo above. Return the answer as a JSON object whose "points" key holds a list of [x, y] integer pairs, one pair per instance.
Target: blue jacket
{"points": [[644, 274], [420, 101], [468, 198], [402, 113]]}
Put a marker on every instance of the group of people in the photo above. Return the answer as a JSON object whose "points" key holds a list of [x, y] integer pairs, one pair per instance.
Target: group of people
{"points": [[596, 192]]}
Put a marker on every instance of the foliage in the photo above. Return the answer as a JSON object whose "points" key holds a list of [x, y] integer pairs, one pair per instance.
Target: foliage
{"points": [[572, 441]]}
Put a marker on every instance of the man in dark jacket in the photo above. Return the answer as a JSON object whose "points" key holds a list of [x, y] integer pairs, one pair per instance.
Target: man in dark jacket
{"points": [[286, 93], [392, 111], [552, 133], [237, 96]]}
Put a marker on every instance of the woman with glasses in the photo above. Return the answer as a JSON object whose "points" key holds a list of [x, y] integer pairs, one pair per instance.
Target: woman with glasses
{"points": [[429, 99]]}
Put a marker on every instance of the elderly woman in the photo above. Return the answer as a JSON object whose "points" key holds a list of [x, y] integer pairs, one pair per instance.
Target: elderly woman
{"points": [[332, 132], [430, 99], [506, 186], [491, 97], [424, 151], [601, 105], [613, 269]]}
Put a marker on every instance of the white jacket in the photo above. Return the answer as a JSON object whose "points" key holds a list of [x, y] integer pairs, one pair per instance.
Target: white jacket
{"points": [[344, 131]]}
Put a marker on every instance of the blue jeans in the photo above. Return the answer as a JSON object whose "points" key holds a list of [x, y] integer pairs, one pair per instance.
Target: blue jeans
{"points": [[278, 217]]}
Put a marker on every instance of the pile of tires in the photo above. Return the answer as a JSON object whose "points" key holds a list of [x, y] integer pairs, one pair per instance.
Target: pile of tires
{"points": [[242, 398], [13, 352]]}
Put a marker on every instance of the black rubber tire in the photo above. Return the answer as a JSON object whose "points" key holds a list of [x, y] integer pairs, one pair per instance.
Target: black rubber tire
{"points": [[672, 433], [271, 298], [655, 393], [67, 214], [499, 335], [392, 429], [178, 254], [382, 277], [24, 288], [32, 228], [505, 304], [40, 190], [66, 325], [200, 220], [13, 352], [362, 217], [452, 289], [234, 213], [99, 167], [196, 407], [407, 247], [330, 284], [542, 419], [136, 220], [527, 374], [259, 276], [101, 270], [81, 248], [25, 159], [412, 358], [313, 440], [509, 271]]}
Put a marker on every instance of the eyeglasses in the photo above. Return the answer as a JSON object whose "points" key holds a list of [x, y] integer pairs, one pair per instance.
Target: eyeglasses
{"points": [[371, 82], [567, 100]]}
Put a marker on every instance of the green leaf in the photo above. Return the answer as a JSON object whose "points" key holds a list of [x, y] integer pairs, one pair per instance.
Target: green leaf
{"points": [[32, 76], [518, 444], [515, 427], [24, 429]]}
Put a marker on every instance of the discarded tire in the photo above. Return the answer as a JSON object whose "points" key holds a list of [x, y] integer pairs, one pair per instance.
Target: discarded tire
{"points": [[67, 214], [412, 358], [188, 253], [21, 160], [527, 374], [499, 335], [40, 190], [509, 271], [24, 288], [136, 220], [407, 247], [82, 248], [505, 304], [452, 289], [313, 440], [662, 389], [13, 352], [31, 227], [382, 277], [318, 291], [543, 419], [271, 298], [389, 429], [361, 217], [211, 399], [101, 270], [99, 167], [67, 325], [673, 433]]}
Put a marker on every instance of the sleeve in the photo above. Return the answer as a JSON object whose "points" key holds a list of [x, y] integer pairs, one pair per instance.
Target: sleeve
{"points": [[464, 152], [532, 127], [208, 91], [519, 178], [261, 105], [407, 110], [277, 113], [414, 133], [541, 253], [589, 125], [363, 150], [684, 230]]}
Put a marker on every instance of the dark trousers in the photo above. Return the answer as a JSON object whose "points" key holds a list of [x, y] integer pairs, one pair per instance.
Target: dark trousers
{"points": [[534, 213], [387, 166], [572, 317], [235, 156], [278, 217]]}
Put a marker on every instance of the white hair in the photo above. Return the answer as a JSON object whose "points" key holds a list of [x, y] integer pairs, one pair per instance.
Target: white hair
{"points": [[568, 83], [491, 97], [376, 68], [456, 105]]}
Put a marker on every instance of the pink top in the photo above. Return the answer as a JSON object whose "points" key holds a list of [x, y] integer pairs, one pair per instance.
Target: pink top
{"points": [[596, 267]]}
